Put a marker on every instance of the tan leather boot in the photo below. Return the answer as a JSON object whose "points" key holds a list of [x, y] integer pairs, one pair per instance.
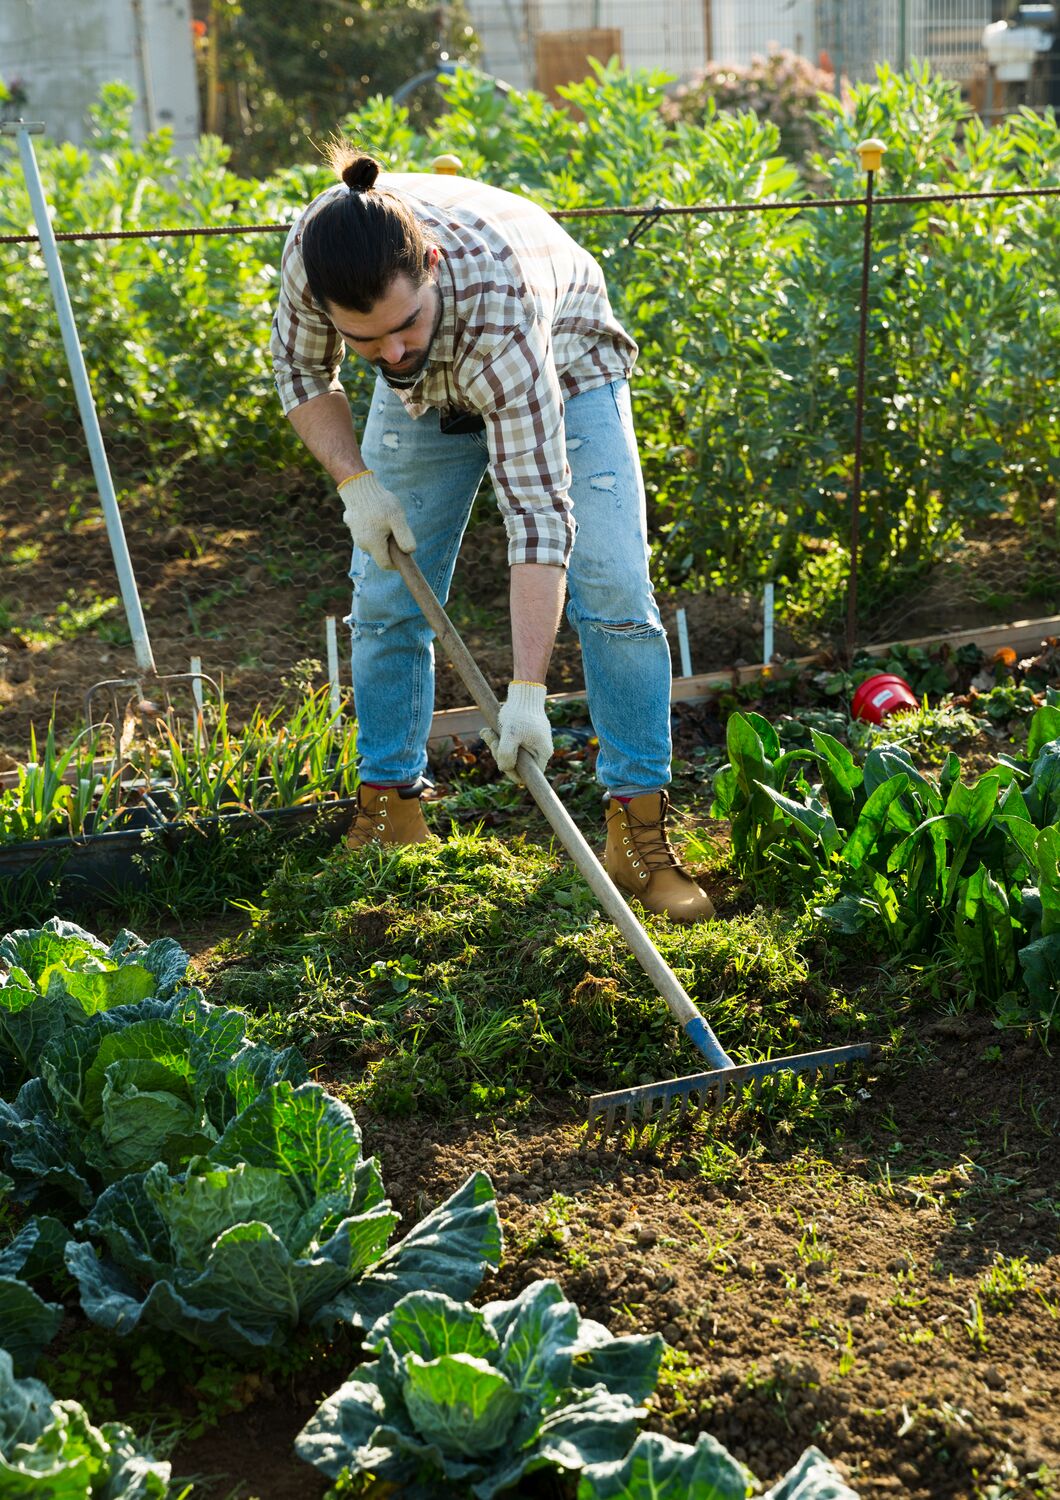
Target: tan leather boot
{"points": [[384, 816], [640, 861]]}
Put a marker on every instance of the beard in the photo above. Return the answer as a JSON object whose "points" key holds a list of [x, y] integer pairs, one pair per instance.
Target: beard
{"points": [[414, 363]]}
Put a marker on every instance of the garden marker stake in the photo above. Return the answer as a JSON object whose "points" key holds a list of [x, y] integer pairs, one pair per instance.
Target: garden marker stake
{"points": [[725, 1076]]}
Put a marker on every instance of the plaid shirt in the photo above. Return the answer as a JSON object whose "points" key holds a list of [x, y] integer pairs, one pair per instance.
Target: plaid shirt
{"points": [[526, 323]]}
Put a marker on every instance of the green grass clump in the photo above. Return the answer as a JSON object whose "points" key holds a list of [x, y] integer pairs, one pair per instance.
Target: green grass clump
{"points": [[475, 973]]}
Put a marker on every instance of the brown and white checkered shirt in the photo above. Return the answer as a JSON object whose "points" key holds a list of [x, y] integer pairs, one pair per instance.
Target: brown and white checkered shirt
{"points": [[526, 323]]}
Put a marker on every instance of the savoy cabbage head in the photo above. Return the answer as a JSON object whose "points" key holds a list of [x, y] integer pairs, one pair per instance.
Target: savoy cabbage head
{"points": [[140, 1084], [477, 1398], [53, 977], [281, 1223], [50, 1448], [657, 1468]]}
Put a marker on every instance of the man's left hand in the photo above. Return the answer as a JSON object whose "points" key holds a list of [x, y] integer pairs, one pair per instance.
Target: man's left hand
{"points": [[523, 725]]}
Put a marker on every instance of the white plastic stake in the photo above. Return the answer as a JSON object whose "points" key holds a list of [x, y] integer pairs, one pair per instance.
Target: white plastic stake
{"points": [[196, 693], [767, 625], [682, 641], [333, 663]]}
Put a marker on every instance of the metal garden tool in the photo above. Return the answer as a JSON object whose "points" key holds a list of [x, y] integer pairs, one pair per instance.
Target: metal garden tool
{"points": [[652, 1101]]}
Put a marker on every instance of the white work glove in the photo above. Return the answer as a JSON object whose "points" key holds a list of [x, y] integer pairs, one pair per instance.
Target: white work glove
{"points": [[374, 515], [523, 725]]}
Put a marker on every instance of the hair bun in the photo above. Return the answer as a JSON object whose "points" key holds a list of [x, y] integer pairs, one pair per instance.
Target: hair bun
{"points": [[360, 174]]}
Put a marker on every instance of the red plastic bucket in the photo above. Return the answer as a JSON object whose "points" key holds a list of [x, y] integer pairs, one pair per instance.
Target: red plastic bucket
{"points": [[882, 695]]}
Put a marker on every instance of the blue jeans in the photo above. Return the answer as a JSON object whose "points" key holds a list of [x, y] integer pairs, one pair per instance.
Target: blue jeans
{"points": [[610, 601]]}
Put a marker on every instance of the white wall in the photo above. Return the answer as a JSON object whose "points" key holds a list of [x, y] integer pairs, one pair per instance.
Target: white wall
{"points": [[63, 50]]}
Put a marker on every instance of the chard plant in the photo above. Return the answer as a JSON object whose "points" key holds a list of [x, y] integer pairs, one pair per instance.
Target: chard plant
{"points": [[140, 1084], [56, 976], [51, 1448], [919, 863], [469, 1400], [282, 1224]]}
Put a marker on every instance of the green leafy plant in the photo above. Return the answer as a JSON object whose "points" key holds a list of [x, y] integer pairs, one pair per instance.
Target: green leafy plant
{"points": [[282, 1223], [657, 1468], [920, 863], [57, 789], [29, 1322], [50, 1447], [140, 1084], [56, 976], [478, 1398]]}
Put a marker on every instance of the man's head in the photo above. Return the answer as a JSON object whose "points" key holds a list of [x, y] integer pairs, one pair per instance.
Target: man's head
{"points": [[371, 270]]}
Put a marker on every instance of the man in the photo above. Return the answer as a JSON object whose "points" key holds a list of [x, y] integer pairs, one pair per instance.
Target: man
{"points": [[496, 348]]}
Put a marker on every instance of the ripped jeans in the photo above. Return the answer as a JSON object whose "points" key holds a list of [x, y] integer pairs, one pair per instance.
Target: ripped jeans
{"points": [[611, 605]]}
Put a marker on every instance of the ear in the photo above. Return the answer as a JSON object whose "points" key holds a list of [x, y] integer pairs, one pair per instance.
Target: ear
{"points": [[433, 256]]}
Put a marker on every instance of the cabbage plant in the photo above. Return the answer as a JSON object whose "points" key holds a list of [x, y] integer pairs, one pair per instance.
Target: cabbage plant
{"points": [[478, 1398], [657, 1468], [140, 1084], [27, 1321], [282, 1224], [50, 1448], [54, 977]]}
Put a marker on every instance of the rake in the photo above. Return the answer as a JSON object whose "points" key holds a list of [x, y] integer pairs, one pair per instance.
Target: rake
{"points": [[652, 1102]]}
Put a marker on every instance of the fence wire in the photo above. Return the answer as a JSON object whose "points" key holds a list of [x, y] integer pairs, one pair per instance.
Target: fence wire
{"points": [[236, 535]]}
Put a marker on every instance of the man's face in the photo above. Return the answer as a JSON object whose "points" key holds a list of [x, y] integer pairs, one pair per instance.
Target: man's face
{"points": [[397, 334]]}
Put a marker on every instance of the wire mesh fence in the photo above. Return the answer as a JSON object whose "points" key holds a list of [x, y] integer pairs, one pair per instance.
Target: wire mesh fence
{"points": [[236, 536]]}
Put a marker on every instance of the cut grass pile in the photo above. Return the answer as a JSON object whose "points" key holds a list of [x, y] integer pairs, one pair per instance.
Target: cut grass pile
{"points": [[476, 973]]}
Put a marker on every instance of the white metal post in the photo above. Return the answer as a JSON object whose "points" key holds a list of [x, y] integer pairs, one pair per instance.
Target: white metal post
{"points": [[83, 390]]}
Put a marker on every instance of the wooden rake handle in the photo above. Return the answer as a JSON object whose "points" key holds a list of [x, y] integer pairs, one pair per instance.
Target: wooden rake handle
{"points": [[666, 982]]}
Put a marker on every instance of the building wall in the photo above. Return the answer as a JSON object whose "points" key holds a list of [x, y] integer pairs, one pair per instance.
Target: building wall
{"points": [[64, 50]]}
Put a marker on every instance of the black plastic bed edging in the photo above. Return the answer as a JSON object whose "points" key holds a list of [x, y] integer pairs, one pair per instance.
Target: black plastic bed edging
{"points": [[123, 858]]}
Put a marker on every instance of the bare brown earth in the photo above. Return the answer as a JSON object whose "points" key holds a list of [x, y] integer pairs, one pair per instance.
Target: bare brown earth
{"points": [[820, 1294], [242, 570]]}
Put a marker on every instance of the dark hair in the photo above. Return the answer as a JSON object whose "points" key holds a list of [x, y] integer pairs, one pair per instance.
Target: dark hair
{"points": [[356, 242]]}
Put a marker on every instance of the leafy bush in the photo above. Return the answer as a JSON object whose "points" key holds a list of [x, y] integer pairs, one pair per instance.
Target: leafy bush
{"points": [[282, 1223], [748, 323], [155, 1082], [50, 1447], [55, 977], [918, 864], [479, 1398]]}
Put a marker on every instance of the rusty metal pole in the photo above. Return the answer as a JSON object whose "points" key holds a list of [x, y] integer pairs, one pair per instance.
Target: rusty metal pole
{"points": [[871, 153]]}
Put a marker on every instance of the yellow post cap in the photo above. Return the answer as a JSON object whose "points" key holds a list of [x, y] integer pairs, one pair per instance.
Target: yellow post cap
{"points": [[448, 166], [871, 153]]}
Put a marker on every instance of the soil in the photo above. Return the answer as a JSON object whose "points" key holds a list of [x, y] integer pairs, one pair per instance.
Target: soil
{"points": [[244, 581], [810, 1294]]}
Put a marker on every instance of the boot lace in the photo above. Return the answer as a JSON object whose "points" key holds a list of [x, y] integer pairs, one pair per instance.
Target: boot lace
{"points": [[651, 840]]}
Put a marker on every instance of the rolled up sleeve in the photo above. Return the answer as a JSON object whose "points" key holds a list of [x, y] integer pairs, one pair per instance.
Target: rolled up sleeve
{"points": [[518, 393], [306, 350]]}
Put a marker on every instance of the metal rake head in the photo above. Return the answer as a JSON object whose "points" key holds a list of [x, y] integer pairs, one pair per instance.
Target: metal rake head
{"points": [[653, 1103]]}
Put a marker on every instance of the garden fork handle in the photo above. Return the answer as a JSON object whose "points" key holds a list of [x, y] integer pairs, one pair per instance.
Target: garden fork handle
{"points": [[666, 982]]}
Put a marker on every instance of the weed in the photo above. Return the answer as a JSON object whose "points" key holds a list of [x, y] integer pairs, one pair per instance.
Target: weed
{"points": [[975, 1325], [1005, 1281]]}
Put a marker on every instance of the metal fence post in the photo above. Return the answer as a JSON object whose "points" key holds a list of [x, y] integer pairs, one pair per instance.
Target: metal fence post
{"points": [[130, 594], [871, 153]]}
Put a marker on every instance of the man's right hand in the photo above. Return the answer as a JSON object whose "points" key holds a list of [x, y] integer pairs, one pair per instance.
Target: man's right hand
{"points": [[374, 515]]}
